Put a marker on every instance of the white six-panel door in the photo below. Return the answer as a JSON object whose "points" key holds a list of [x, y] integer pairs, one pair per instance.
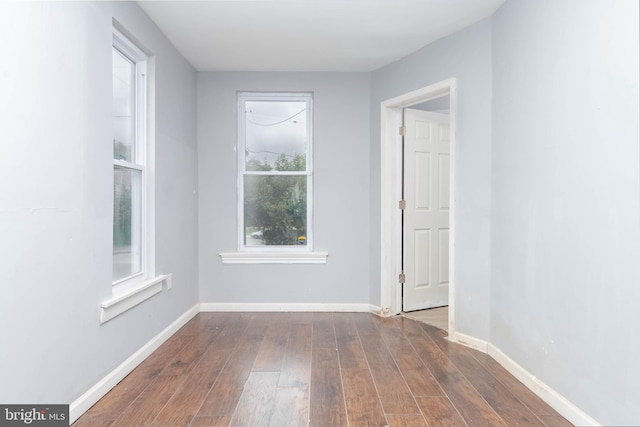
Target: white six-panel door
{"points": [[426, 215]]}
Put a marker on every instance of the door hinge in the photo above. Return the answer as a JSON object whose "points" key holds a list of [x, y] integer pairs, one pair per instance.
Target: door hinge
{"points": [[401, 277], [403, 131], [402, 204]]}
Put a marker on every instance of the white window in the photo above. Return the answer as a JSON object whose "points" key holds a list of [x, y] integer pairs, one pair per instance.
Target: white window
{"points": [[133, 263], [130, 177], [275, 180]]}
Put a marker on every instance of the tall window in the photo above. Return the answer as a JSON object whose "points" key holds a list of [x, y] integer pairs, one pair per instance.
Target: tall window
{"points": [[129, 160], [275, 171]]}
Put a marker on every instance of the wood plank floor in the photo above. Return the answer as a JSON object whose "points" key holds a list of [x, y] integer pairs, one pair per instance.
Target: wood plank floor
{"points": [[438, 317], [317, 369]]}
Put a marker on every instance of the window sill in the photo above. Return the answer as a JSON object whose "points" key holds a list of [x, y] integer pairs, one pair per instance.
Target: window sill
{"points": [[118, 304], [274, 257]]}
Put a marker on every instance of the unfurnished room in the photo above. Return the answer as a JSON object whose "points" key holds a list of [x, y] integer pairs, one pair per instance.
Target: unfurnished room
{"points": [[320, 213]]}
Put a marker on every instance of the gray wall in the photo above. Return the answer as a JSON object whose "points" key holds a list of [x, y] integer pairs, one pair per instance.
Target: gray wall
{"points": [[565, 191], [465, 55], [341, 191], [548, 193], [56, 197]]}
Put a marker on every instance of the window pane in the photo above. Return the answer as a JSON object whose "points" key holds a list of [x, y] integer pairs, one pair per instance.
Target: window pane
{"points": [[123, 107], [275, 210], [127, 247], [276, 135]]}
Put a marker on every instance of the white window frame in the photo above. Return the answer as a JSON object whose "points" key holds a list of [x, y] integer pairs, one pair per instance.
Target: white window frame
{"points": [[133, 290], [139, 60], [242, 172], [274, 253]]}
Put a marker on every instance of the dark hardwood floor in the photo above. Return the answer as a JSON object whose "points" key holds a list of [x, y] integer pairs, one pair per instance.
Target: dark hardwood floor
{"points": [[317, 369]]}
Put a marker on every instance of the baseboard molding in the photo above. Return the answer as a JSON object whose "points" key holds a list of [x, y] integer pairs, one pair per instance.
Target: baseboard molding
{"points": [[469, 341], [95, 393], [558, 402], [554, 399], [291, 307]]}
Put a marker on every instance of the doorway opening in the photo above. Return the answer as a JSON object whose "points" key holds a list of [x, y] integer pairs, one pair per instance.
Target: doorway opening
{"points": [[439, 97]]}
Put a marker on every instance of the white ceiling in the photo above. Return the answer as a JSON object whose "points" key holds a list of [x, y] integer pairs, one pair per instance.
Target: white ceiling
{"points": [[308, 35]]}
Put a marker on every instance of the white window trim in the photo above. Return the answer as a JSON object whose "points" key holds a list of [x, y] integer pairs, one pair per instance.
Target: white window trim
{"points": [[270, 257], [139, 59], [133, 290], [274, 254], [120, 303]]}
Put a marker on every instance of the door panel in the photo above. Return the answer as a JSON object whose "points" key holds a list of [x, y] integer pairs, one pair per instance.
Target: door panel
{"points": [[422, 249], [443, 182], [422, 169], [443, 249], [426, 216]]}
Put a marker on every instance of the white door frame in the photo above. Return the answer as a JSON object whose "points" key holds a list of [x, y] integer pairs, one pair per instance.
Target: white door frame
{"points": [[391, 193]]}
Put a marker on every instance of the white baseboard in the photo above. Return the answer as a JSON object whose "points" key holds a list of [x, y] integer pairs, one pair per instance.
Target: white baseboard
{"points": [[558, 402], [95, 393], [554, 399], [285, 307], [469, 341]]}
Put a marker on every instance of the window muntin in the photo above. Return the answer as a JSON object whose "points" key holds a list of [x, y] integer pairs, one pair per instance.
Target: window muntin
{"points": [[275, 188], [129, 162]]}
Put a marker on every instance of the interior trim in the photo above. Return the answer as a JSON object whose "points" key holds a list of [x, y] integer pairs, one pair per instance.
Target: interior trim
{"points": [[274, 257]]}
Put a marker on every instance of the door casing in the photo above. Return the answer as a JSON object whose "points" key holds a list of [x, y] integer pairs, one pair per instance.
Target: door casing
{"points": [[391, 193]]}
